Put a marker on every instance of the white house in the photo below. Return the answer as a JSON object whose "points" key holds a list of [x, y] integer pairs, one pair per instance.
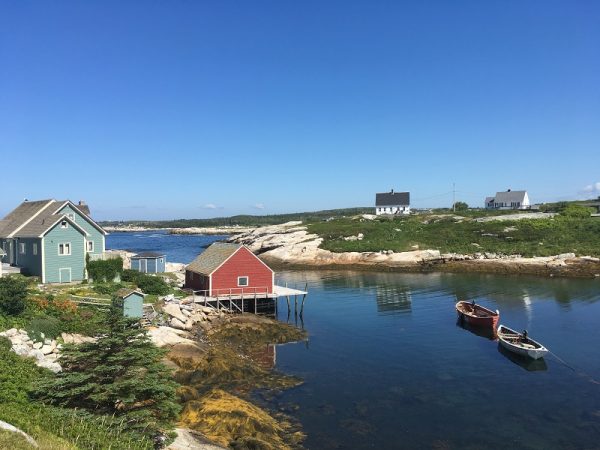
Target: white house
{"points": [[392, 203], [508, 200]]}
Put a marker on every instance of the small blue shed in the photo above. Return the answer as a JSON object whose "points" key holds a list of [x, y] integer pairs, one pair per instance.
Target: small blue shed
{"points": [[149, 262], [132, 302]]}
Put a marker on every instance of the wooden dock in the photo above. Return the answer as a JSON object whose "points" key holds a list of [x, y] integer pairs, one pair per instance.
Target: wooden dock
{"points": [[253, 300]]}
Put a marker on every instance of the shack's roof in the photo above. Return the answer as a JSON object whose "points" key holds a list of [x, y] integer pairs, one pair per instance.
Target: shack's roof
{"points": [[148, 255], [211, 258], [126, 292], [392, 198]]}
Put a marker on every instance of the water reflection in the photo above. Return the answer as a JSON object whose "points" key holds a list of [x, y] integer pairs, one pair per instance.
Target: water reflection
{"points": [[487, 333], [530, 365], [393, 299]]}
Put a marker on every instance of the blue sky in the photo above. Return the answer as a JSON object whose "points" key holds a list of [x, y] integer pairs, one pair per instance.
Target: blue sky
{"points": [[202, 109]]}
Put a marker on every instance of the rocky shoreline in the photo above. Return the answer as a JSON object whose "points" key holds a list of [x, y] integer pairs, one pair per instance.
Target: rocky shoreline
{"points": [[291, 245]]}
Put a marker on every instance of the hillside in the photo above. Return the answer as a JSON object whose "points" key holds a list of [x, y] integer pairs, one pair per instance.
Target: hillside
{"points": [[243, 220]]}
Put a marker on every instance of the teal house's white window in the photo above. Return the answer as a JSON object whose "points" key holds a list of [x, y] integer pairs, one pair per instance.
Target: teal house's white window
{"points": [[34, 248], [90, 246], [64, 224], [242, 281], [21, 248], [64, 248]]}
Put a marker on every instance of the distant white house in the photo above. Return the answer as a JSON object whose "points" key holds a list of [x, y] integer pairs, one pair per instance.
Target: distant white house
{"points": [[392, 203], [508, 200]]}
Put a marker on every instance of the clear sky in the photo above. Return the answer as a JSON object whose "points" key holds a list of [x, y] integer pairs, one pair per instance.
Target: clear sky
{"points": [[169, 109]]}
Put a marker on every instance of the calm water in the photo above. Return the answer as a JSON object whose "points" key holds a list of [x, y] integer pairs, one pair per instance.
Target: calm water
{"points": [[387, 367], [178, 248]]}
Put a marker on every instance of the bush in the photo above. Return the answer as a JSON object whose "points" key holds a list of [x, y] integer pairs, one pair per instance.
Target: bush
{"points": [[104, 270], [461, 206], [147, 283], [5, 344], [13, 292], [107, 288], [50, 327], [576, 211]]}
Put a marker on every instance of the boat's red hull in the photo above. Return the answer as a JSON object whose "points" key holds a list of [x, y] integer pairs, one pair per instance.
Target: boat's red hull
{"points": [[483, 317]]}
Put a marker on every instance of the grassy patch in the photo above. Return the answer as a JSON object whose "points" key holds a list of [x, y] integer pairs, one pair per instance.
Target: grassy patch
{"points": [[534, 237]]}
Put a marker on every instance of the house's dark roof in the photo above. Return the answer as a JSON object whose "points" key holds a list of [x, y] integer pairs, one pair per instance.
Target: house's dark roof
{"points": [[32, 219], [392, 198], [510, 196], [148, 255], [125, 292], [21, 214], [211, 258]]}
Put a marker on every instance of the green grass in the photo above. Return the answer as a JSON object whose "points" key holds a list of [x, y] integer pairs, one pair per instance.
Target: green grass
{"points": [[15, 441], [533, 237]]}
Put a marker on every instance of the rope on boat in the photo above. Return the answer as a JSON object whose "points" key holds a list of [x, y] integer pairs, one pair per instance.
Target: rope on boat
{"points": [[581, 374]]}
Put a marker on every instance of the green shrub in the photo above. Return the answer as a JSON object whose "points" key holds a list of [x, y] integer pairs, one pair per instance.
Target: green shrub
{"points": [[50, 327], [576, 211], [107, 288], [13, 292], [147, 283], [5, 344], [103, 271]]}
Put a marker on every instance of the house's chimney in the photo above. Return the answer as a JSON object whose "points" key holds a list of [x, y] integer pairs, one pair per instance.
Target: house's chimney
{"points": [[81, 203]]}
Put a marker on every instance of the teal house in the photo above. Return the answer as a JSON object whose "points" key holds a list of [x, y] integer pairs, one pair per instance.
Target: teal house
{"points": [[132, 302], [51, 239]]}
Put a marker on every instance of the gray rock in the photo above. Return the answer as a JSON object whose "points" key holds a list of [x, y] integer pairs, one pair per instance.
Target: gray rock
{"points": [[174, 311], [176, 323]]}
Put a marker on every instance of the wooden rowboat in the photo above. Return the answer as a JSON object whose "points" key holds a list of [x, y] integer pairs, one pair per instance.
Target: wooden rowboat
{"points": [[477, 315], [520, 344]]}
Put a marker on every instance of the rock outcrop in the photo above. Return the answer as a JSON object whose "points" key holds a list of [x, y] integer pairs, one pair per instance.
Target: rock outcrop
{"points": [[291, 244], [46, 352]]}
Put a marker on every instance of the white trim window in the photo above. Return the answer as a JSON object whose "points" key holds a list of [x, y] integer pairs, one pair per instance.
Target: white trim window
{"points": [[64, 248], [22, 248], [64, 224], [90, 246], [35, 248], [243, 281], [71, 216]]}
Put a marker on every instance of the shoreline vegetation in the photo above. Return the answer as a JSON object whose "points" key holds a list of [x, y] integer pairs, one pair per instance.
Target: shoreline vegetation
{"points": [[223, 365], [562, 240]]}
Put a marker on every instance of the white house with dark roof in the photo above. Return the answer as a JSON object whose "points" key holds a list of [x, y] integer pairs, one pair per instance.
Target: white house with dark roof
{"points": [[392, 203], [508, 200], [51, 239]]}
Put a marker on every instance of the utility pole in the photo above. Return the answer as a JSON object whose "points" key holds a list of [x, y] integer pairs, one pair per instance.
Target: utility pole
{"points": [[453, 197]]}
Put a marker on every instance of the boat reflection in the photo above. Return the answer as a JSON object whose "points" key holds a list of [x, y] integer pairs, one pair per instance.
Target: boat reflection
{"points": [[488, 333], [530, 365]]}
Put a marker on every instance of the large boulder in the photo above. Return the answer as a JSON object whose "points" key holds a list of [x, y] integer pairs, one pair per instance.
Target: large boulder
{"points": [[174, 311]]}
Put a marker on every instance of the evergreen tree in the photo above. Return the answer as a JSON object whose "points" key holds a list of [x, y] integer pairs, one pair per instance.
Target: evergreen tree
{"points": [[120, 374]]}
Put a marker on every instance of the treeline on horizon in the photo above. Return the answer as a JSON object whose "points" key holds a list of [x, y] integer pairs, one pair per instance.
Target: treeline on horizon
{"points": [[244, 220]]}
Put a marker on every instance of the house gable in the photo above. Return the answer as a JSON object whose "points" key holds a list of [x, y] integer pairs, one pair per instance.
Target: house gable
{"points": [[57, 266], [243, 263], [95, 233]]}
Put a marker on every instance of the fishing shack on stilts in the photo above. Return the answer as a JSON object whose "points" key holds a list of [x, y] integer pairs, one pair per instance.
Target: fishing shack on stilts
{"points": [[229, 276]]}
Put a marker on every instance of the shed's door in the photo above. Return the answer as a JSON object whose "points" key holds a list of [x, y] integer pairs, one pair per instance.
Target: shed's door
{"points": [[65, 275], [143, 265]]}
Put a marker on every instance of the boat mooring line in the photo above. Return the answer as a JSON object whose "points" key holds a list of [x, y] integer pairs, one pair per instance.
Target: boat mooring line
{"points": [[581, 374]]}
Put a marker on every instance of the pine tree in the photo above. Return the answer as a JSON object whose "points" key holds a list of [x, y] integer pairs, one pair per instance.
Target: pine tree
{"points": [[120, 374]]}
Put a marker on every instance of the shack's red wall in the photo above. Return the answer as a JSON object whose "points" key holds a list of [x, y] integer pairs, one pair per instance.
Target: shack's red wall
{"points": [[196, 281], [242, 263]]}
